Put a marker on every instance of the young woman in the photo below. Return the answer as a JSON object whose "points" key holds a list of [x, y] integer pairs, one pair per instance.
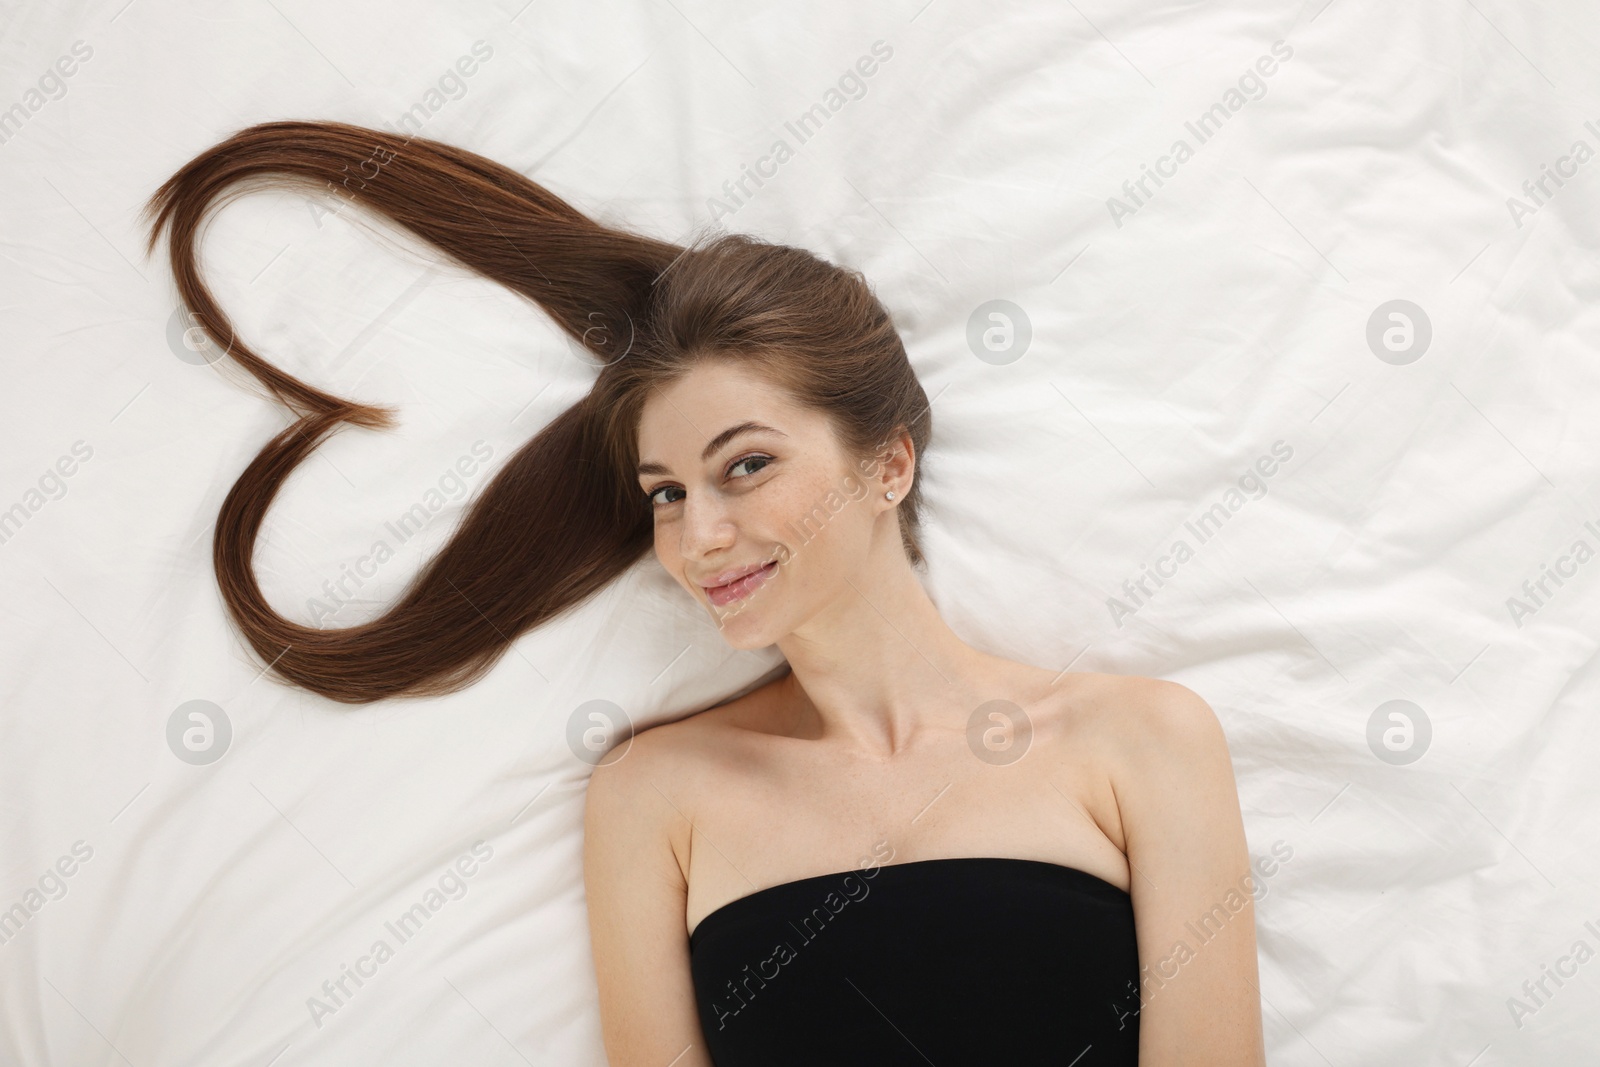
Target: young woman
{"points": [[903, 849]]}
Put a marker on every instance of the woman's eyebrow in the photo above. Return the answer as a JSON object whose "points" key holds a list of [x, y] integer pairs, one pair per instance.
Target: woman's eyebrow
{"points": [[714, 445]]}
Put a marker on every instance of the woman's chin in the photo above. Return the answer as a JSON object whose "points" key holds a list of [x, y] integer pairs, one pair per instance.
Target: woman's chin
{"points": [[742, 645], [743, 630]]}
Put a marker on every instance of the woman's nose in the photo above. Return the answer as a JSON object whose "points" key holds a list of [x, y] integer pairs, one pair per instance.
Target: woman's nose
{"points": [[707, 525]]}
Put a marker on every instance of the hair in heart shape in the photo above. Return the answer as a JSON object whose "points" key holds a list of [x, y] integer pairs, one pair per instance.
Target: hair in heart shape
{"points": [[565, 514]]}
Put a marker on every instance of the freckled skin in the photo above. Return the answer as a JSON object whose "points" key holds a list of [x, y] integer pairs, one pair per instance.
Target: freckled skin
{"points": [[708, 519]]}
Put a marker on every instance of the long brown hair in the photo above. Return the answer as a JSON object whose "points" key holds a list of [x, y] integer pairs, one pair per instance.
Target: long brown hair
{"points": [[565, 514]]}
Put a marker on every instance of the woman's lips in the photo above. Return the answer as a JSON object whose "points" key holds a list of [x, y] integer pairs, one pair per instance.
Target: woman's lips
{"points": [[740, 588]]}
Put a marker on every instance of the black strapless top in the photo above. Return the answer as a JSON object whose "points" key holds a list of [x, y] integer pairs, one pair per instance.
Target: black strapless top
{"points": [[948, 962]]}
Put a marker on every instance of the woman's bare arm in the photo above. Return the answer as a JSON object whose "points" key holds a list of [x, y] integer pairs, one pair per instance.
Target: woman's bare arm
{"points": [[1192, 885], [636, 893]]}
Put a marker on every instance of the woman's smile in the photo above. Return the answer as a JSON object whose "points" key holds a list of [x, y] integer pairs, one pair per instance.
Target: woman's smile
{"points": [[741, 587]]}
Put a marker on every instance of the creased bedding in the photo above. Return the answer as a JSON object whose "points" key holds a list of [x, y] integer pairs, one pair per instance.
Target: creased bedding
{"points": [[1261, 342]]}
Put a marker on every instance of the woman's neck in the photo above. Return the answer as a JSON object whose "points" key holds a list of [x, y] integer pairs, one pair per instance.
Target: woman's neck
{"points": [[880, 665]]}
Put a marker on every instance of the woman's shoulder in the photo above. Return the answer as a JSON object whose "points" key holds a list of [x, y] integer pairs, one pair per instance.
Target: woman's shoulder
{"points": [[679, 748], [661, 779], [1150, 764], [1134, 730], [1152, 737], [1134, 709]]}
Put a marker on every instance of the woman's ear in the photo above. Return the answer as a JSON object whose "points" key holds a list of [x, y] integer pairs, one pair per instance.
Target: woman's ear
{"points": [[897, 463]]}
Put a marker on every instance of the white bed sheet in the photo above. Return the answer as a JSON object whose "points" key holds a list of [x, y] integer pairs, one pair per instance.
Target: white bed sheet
{"points": [[1176, 339]]}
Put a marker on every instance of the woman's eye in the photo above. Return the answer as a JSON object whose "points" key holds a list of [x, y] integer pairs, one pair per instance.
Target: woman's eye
{"points": [[654, 497], [763, 460]]}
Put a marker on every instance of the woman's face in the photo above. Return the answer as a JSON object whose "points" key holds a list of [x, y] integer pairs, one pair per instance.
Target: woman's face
{"points": [[745, 482]]}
